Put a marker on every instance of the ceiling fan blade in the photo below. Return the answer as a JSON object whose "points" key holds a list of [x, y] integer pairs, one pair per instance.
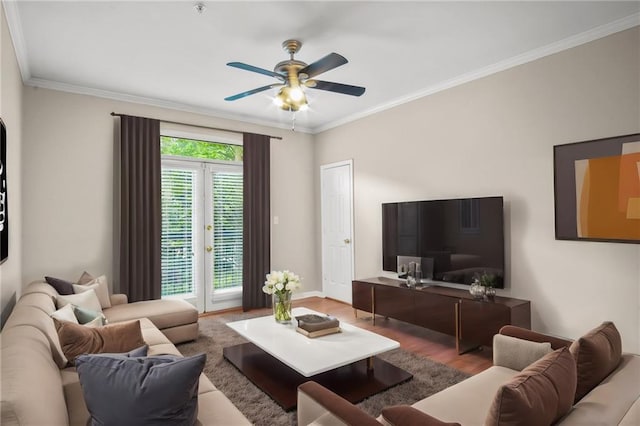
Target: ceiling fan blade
{"points": [[329, 62], [253, 91], [248, 67], [330, 86]]}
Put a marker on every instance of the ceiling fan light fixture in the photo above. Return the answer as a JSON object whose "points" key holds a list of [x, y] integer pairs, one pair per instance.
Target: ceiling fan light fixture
{"points": [[291, 99]]}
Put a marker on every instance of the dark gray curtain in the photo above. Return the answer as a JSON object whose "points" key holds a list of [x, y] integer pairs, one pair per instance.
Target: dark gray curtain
{"points": [[140, 208], [256, 253]]}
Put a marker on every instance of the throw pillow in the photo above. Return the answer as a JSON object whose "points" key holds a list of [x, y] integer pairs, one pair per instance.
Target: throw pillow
{"points": [[88, 317], [85, 278], [136, 353], [159, 390], [65, 314], [76, 339], [517, 354], [63, 287], [100, 286], [597, 354], [538, 395], [87, 300], [407, 415]]}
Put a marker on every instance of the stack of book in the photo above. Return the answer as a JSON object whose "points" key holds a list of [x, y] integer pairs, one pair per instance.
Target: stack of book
{"points": [[312, 325]]}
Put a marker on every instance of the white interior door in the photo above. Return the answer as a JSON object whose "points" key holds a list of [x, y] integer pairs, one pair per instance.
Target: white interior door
{"points": [[336, 182]]}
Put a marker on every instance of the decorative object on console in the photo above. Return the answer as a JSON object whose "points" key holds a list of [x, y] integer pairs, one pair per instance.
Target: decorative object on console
{"points": [[477, 290], [483, 285], [280, 284], [597, 190]]}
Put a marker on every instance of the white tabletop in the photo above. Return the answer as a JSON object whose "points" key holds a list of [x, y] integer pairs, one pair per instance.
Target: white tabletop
{"points": [[311, 356]]}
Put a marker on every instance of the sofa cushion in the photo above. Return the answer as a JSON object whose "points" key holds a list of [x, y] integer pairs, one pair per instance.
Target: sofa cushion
{"points": [[164, 313], [539, 395], [405, 415], [63, 287], [100, 286], [31, 382], [42, 301], [26, 315], [597, 354], [517, 354], [613, 401], [153, 390], [76, 339], [87, 300], [477, 392]]}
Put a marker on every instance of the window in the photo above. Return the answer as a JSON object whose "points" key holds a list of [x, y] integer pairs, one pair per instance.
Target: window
{"points": [[202, 213]]}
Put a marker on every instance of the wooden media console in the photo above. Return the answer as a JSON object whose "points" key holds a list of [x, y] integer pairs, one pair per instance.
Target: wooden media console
{"points": [[451, 311]]}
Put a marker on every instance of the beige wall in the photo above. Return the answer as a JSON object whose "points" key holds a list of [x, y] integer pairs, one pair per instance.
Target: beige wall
{"points": [[11, 113], [69, 186], [495, 136]]}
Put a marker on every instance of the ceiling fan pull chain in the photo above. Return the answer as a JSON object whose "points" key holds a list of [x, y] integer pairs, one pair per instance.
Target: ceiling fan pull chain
{"points": [[293, 121]]}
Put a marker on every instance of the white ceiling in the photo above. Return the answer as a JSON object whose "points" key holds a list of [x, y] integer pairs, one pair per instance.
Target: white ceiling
{"points": [[165, 53]]}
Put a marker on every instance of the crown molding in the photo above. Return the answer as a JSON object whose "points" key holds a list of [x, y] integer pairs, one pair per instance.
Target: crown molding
{"points": [[17, 37], [532, 55], [161, 103], [19, 44]]}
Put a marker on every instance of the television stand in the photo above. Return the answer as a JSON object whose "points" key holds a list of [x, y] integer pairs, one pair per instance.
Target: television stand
{"points": [[447, 310]]}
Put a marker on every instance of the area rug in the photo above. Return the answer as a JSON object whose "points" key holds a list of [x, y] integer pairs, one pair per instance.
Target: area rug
{"points": [[429, 377]]}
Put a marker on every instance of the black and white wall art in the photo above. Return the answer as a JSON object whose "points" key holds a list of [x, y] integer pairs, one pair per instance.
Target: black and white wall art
{"points": [[4, 206]]}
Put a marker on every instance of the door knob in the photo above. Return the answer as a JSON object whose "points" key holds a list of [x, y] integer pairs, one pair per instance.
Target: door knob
{"points": [[209, 227], [347, 241], [209, 249]]}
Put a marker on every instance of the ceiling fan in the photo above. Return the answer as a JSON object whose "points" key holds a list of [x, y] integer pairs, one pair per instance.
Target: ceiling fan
{"points": [[294, 76]]}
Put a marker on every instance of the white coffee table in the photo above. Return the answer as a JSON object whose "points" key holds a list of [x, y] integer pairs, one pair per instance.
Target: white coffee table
{"points": [[277, 359]]}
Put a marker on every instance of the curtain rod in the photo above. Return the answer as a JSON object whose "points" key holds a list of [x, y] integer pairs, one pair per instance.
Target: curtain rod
{"points": [[115, 114]]}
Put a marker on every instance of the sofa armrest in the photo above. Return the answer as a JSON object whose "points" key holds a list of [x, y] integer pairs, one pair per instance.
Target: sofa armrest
{"points": [[405, 415], [118, 299], [315, 401], [533, 336]]}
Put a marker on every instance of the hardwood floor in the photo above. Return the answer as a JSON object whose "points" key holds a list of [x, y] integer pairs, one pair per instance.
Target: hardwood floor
{"points": [[419, 340]]}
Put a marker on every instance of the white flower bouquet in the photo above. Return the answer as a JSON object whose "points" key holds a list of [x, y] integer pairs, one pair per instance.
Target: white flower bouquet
{"points": [[280, 284]]}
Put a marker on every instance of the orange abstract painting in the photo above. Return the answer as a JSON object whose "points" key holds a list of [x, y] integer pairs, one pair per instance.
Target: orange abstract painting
{"points": [[608, 196]]}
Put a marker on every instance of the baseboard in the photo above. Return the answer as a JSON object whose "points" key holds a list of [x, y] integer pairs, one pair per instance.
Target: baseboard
{"points": [[306, 294]]}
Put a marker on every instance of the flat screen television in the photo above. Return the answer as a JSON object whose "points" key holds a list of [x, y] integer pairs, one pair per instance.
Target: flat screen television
{"points": [[455, 240]]}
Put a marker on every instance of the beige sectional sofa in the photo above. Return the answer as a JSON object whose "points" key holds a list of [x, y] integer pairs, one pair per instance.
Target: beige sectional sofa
{"points": [[615, 400], [35, 391]]}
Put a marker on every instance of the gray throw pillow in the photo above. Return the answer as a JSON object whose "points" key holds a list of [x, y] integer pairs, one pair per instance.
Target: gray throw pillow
{"points": [[161, 390], [84, 315], [63, 287], [136, 353]]}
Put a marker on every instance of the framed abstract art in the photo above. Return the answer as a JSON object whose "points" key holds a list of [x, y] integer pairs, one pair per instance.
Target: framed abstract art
{"points": [[597, 190]]}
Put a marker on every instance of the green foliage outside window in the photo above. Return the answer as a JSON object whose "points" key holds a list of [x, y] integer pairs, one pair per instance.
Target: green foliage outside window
{"points": [[200, 149]]}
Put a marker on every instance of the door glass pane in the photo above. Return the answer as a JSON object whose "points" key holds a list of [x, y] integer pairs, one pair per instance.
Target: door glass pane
{"points": [[177, 232], [227, 230]]}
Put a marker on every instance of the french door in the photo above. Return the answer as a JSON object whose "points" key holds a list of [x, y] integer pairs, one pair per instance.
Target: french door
{"points": [[202, 233]]}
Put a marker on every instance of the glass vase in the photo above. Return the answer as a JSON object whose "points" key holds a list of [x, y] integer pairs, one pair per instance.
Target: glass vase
{"points": [[477, 290], [282, 307]]}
